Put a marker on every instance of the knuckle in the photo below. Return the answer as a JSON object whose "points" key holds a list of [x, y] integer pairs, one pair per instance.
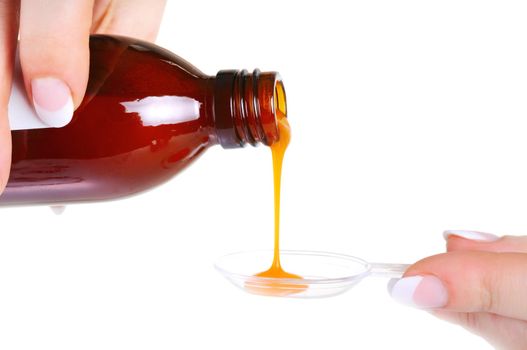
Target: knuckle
{"points": [[470, 320], [489, 293]]}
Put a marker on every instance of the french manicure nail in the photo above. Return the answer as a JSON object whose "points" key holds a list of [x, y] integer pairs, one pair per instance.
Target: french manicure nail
{"points": [[472, 235], [52, 100], [424, 292]]}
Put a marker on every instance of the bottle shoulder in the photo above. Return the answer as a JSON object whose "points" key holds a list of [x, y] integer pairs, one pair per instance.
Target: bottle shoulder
{"points": [[131, 69], [111, 48]]}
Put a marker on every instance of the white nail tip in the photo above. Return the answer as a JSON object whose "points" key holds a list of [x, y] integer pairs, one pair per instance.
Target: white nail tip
{"points": [[472, 235], [57, 118], [402, 290]]}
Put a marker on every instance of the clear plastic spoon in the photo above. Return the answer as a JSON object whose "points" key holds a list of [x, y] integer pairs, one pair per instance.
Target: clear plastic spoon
{"points": [[323, 274]]}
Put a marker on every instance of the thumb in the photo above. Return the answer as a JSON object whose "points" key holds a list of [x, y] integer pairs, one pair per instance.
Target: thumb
{"points": [[54, 55], [474, 240], [466, 281]]}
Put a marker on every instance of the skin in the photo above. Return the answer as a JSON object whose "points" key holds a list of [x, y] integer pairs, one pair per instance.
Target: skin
{"points": [[486, 284], [54, 43]]}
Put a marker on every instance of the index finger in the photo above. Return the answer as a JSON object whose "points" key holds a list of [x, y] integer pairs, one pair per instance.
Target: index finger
{"points": [[471, 240]]}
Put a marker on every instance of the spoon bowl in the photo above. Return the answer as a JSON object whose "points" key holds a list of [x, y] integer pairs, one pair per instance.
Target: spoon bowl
{"points": [[324, 274]]}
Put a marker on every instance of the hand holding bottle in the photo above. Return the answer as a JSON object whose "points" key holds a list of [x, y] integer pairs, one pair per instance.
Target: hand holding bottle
{"points": [[480, 284], [54, 52]]}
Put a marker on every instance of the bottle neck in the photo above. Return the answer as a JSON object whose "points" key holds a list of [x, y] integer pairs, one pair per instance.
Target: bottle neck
{"points": [[247, 107]]}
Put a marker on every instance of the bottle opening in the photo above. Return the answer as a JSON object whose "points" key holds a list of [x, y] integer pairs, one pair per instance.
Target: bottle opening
{"points": [[279, 100], [247, 107]]}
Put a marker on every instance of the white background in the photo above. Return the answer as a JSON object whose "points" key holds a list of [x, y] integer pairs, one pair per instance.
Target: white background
{"points": [[408, 118]]}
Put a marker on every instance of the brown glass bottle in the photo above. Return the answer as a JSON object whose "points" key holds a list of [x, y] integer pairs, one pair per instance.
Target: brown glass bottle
{"points": [[146, 115]]}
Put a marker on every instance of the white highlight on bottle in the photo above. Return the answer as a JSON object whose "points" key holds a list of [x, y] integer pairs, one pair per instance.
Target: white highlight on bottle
{"points": [[162, 110]]}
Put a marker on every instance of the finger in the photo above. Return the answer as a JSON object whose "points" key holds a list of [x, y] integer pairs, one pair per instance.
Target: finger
{"points": [[8, 33], [473, 240], [467, 281], [135, 18], [501, 332], [54, 55]]}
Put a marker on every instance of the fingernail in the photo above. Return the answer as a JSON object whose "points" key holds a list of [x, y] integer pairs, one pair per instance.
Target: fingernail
{"points": [[423, 292], [472, 235], [52, 101]]}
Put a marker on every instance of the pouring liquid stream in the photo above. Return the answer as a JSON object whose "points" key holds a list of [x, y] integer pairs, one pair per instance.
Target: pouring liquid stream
{"points": [[274, 287]]}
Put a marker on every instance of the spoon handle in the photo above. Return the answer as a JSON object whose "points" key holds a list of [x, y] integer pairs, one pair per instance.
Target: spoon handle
{"points": [[388, 270]]}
